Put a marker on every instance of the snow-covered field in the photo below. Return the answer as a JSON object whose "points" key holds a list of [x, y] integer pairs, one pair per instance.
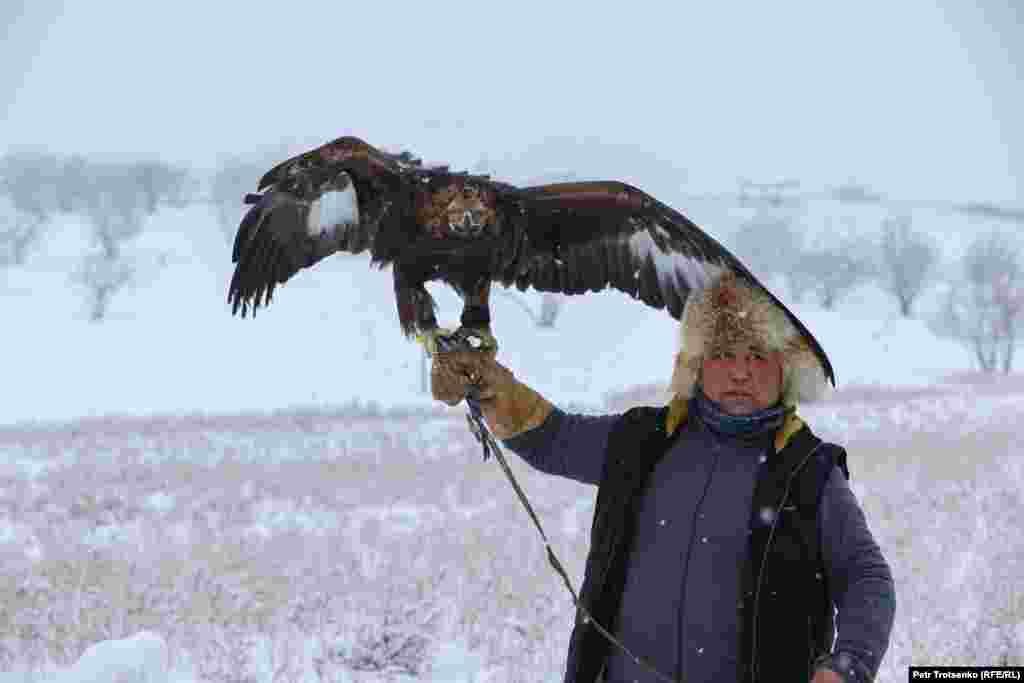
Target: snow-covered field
{"points": [[276, 499]]}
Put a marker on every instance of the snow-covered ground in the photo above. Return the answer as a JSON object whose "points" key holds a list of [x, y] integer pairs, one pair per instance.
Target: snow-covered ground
{"points": [[278, 500]]}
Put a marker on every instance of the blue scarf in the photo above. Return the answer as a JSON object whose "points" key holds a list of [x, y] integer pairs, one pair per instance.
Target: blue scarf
{"points": [[755, 424]]}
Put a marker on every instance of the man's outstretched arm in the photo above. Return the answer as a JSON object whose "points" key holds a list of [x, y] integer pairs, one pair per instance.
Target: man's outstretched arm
{"points": [[567, 444], [546, 437]]}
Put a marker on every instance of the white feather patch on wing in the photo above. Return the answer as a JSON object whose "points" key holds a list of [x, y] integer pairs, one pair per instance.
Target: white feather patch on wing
{"points": [[333, 210], [673, 268]]}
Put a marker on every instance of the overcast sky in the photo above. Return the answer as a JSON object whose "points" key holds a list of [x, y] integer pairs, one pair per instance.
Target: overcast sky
{"points": [[920, 99]]}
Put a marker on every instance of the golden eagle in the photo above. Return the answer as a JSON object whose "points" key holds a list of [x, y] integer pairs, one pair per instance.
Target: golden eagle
{"points": [[468, 231]]}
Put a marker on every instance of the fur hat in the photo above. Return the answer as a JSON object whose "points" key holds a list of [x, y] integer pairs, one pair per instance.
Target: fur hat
{"points": [[729, 311]]}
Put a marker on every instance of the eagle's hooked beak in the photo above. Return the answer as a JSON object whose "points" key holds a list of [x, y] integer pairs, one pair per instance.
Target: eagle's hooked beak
{"points": [[470, 224]]}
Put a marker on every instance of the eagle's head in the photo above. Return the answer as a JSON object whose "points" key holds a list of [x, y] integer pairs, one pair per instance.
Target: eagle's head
{"points": [[460, 208], [465, 211]]}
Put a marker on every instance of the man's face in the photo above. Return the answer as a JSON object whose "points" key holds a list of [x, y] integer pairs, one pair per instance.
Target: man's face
{"points": [[742, 378]]}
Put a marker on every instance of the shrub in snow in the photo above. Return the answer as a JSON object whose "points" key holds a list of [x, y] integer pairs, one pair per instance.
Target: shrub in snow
{"points": [[907, 260], [389, 647], [831, 269], [547, 311], [769, 243], [985, 310]]}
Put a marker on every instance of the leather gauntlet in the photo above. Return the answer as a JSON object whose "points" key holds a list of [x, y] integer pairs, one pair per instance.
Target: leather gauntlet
{"points": [[509, 406]]}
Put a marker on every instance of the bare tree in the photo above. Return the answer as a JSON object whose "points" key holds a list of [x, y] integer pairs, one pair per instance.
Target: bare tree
{"points": [[38, 185], [28, 180], [102, 277], [769, 243], [830, 269], [160, 182], [547, 314], [116, 203], [18, 232], [73, 183], [985, 311], [550, 307], [907, 260]]}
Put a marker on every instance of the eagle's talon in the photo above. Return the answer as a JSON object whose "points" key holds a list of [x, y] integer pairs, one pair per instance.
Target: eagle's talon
{"points": [[433, 340], [476, 339], [442, 340]]}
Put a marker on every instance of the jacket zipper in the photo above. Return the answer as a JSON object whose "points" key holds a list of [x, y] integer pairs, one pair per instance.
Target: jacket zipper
{"points": [[764, 561]]}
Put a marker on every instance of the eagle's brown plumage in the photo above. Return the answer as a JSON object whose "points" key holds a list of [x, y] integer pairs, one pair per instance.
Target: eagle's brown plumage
{"points": [[469, 231]]}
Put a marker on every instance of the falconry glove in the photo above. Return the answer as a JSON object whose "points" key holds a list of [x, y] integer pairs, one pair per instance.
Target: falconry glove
{"points": [[509, 406], [452, 373]]}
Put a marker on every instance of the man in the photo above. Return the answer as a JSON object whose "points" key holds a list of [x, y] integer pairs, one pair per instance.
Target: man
{"points": [[725, 534]]}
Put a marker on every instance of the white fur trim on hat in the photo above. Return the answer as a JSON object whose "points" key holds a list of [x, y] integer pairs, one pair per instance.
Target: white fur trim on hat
{"points": [[729, 310]]}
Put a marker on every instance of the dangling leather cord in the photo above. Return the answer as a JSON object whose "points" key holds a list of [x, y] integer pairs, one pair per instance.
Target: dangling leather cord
{"points": [[479, 428]]}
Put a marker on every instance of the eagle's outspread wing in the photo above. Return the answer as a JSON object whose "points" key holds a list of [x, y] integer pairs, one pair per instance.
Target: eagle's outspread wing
{"points": [[312, 207], [586, 236]]}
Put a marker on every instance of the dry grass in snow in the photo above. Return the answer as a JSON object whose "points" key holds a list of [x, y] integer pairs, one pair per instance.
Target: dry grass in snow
{"points": [[354, 546]]}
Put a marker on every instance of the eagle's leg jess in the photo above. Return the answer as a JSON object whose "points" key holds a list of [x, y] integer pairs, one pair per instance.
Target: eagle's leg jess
{"points": [[474, 333], [476, 319]]}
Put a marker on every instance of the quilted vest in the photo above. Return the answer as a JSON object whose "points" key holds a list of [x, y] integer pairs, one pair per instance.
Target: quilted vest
{"points": [[788, 617]]}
